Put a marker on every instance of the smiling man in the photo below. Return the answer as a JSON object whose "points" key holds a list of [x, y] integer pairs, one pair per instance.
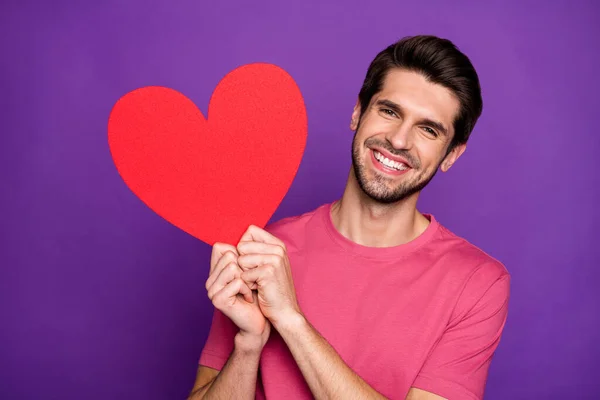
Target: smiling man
{"points": [[366, 297]]}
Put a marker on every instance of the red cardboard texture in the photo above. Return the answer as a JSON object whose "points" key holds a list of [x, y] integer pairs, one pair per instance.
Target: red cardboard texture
{"points": [[212, 177]]}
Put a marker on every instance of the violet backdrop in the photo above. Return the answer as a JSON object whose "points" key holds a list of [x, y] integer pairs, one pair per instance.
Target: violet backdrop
{"points": [[102, 299]]}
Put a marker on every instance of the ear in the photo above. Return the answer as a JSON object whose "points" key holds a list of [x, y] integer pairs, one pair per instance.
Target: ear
{"points": [[453, 156], [355, 117]]}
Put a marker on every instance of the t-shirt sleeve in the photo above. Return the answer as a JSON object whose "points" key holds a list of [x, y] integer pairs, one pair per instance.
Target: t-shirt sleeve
{"points": [[457, 367], [220, 341]]}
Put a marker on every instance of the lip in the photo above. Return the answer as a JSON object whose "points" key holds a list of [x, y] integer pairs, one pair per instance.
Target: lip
{"points": [[385, 169], [391, 156]]}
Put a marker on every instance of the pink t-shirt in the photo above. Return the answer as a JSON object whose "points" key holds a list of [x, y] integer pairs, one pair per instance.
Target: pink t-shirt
{"points": [[427, 314]]}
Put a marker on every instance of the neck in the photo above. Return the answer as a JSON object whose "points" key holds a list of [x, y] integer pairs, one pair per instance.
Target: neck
{"points": [[369, 223]]}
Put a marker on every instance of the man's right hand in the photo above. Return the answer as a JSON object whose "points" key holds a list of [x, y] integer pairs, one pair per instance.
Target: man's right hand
{"points": [[232, 296]]}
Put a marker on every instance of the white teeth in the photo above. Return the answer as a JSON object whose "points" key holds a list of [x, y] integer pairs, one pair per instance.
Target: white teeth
{"points": [[387, 162]]}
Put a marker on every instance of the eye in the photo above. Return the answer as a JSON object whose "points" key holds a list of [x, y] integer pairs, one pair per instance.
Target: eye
{"points": [[430, 131], [388, 112]]}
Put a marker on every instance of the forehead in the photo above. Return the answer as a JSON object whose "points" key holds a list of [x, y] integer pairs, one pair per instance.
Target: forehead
{"points": [[420, 98]]}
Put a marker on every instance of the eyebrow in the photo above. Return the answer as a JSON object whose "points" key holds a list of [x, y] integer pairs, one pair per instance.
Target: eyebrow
{"points": [[425, 121]]}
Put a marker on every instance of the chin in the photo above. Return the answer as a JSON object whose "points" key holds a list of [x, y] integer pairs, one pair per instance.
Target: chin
{"points": [[381, 192]]}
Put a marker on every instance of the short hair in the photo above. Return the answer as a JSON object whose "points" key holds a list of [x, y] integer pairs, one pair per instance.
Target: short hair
{"points": [[440, 62]]}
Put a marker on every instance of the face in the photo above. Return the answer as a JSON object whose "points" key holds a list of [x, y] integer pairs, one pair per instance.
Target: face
{"points": [[403, 137]]}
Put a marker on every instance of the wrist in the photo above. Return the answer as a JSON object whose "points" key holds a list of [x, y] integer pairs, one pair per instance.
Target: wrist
{"points": [[291, 322], [248, 344]]}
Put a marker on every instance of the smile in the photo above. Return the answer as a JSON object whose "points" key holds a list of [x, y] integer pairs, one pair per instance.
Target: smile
{"points": [[394, 165]]}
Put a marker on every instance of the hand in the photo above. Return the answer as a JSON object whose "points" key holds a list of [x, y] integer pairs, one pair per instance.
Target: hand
{"points": [[232, 296], [266, 267]]}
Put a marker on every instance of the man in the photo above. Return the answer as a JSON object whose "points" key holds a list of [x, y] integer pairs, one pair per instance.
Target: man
{"points": [[366, 298]]}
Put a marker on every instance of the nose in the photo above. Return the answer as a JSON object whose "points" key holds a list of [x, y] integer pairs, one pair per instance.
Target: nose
{"points": [[401, 136]]}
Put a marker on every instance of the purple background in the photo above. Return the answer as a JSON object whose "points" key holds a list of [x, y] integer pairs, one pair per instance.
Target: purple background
{"points": [[102, 299]]}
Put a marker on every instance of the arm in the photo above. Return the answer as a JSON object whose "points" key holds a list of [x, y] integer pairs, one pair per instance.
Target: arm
{"points": [[456, 369], [325, 372], [237, 379], [205, 376], [238, 333]]}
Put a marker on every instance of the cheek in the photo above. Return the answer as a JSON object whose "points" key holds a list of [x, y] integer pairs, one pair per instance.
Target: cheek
{"points": [[373, 125], [430, 154]]}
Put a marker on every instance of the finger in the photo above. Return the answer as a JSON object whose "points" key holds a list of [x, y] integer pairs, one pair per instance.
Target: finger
{"points": [[251, 285], [218, 250], [257, 276], [228, 294], [228, 274], [227, 258], [260, 248], [246, 292], [256, 234], [248, 261]]}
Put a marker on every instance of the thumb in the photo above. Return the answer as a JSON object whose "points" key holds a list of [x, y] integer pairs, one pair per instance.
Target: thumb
{"points": [[256, 234]]}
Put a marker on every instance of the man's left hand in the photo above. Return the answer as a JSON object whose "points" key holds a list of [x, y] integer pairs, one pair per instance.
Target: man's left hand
{"points": [[263, 257]]}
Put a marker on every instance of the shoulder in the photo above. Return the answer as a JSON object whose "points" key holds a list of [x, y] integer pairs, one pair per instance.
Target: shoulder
{"points": [[465, 257], [292, 230], [478, 276]]}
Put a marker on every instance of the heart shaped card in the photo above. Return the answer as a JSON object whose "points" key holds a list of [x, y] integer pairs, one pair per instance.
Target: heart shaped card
{"points": [[212, 177]]}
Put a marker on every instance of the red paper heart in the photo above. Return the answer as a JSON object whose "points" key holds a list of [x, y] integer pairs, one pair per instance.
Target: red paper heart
{"points": [[212, 178]]}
